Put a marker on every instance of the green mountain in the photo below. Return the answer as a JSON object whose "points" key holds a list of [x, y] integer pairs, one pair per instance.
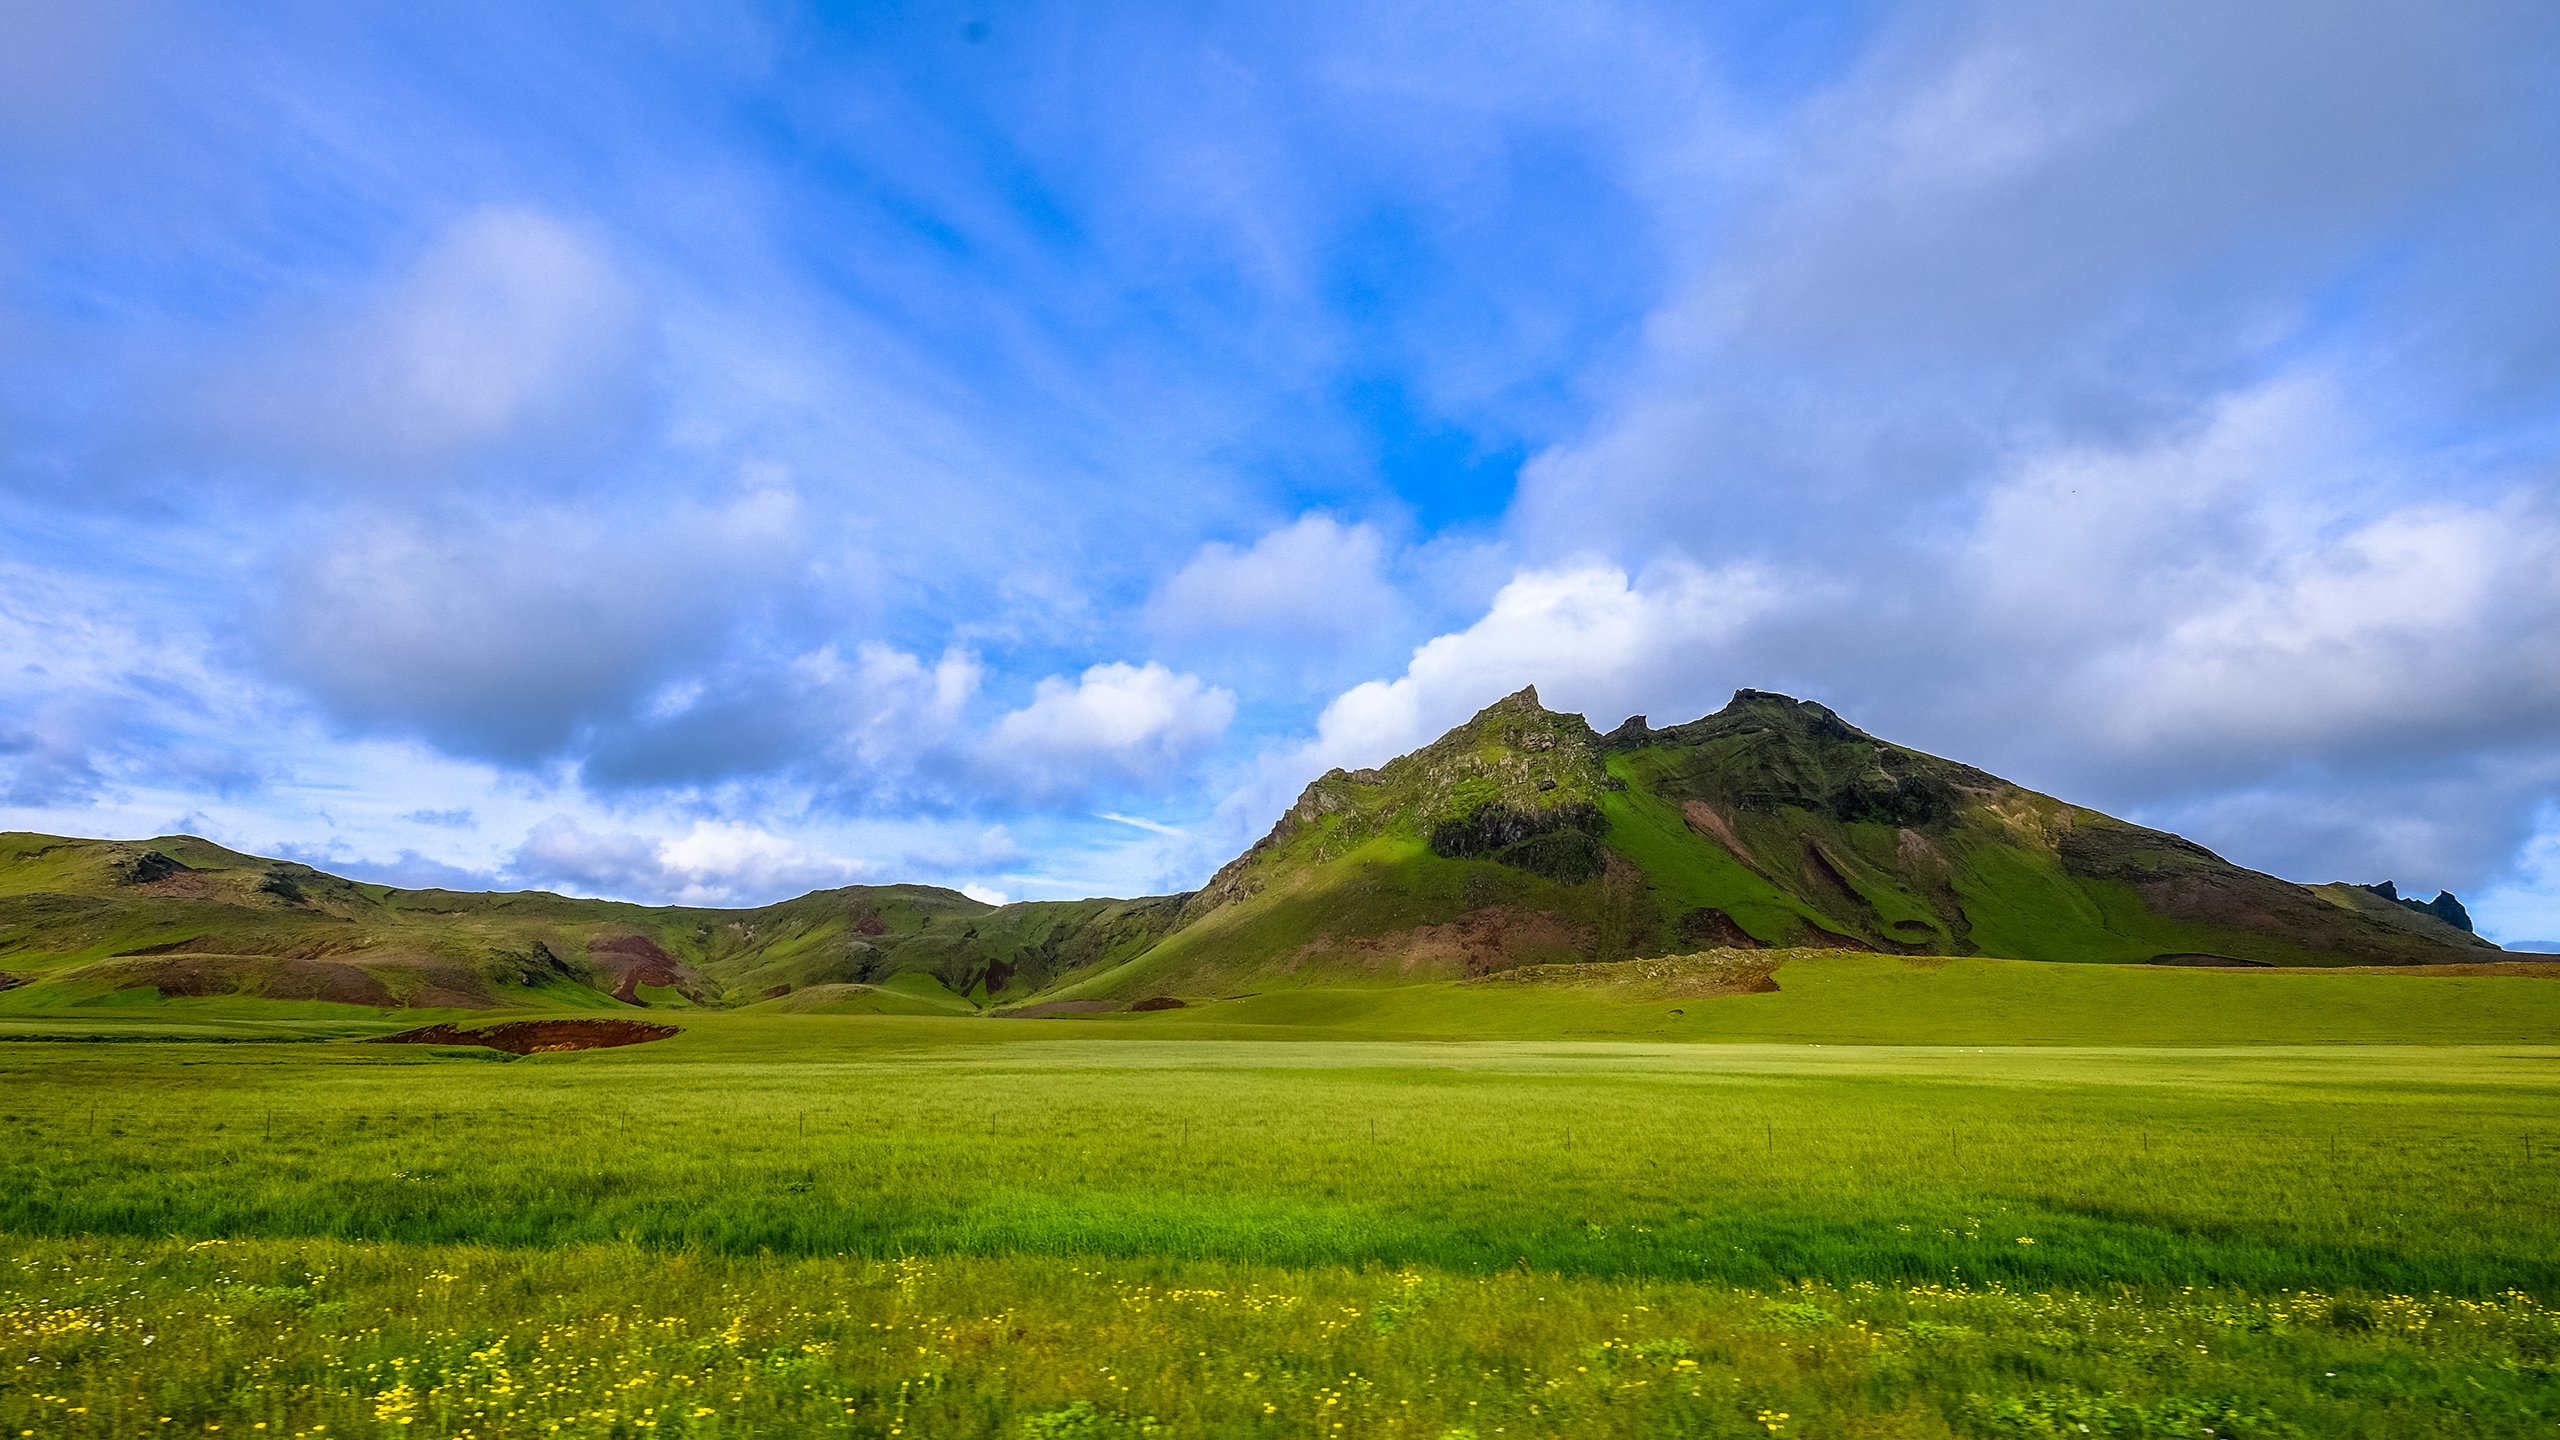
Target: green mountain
{"points": [[1526, 837], [1523, 837]]}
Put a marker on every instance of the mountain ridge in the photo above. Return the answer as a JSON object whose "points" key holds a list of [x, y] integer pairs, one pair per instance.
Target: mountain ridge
{"points": [[1522, 837]]}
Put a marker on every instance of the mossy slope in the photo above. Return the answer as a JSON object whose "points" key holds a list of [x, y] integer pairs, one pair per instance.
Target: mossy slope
{"points": [[85, 922], [1525, 837]]}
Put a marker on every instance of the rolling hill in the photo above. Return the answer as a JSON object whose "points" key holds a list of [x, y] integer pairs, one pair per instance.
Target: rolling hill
{"points": [[1523, 837], [95, 921]]}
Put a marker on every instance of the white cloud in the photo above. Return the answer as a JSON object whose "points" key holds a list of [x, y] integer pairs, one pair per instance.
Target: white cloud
{"points": [[513, 325], [904, 706], [717, 862], [2525, 908], [881, 728], [1315, 580], [499, 635], [2041, 226], [1134, 822], [983, 895], [2243, 596], [1117, 724], [2430, 624], [93, 699], [1589, 637], [1592, 638], [2078, 542]]}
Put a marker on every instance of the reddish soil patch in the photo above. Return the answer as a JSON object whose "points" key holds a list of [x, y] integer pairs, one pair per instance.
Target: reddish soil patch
{"points": [[776, 992], [537, 1037], [871, 924], [1702, 817], [1479, 942], [1160, 1002], [2216, 899], [628, 962]]}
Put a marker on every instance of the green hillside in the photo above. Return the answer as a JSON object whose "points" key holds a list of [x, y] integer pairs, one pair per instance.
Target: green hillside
{"points": [[1523, 837], [91, 922]]}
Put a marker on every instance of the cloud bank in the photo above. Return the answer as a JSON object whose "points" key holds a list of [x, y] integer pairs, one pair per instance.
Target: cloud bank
{"points": [[699, 456]]}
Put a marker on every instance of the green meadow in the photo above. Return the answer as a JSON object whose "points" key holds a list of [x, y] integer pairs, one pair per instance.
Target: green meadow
{"points": [[1436, 1211]]}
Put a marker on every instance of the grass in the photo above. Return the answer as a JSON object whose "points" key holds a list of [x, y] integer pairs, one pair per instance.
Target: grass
{"points": [[1430, 1212], [314, 1339], [1741, 1164]]}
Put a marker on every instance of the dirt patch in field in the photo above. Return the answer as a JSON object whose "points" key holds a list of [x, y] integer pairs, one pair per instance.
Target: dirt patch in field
{"points": [[11, 982], [2209, 962], [537, 1037], [1480, 942], [1161, 1002]]}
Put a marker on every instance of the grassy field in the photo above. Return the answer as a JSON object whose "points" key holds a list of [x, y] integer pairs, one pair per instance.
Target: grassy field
{"points": [[1289, 1216]]}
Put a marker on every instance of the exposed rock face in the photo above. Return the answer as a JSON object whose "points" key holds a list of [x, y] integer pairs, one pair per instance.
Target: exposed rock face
{"points": [[2449, 910], [2444, 907], [146, 867], [1561, 844]]}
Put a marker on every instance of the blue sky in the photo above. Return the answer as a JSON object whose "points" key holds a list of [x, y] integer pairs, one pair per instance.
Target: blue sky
{"points": [[709, 452]]}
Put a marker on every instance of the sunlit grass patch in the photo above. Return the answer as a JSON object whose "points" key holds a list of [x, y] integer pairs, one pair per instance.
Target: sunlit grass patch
{"points": [[311, 1338]]}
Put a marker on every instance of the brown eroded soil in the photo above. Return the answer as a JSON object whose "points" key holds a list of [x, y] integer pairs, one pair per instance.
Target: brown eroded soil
{"points": [[1703, 819], [1480, 942], [537, 1037], [182, 884], [631, 961]]}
